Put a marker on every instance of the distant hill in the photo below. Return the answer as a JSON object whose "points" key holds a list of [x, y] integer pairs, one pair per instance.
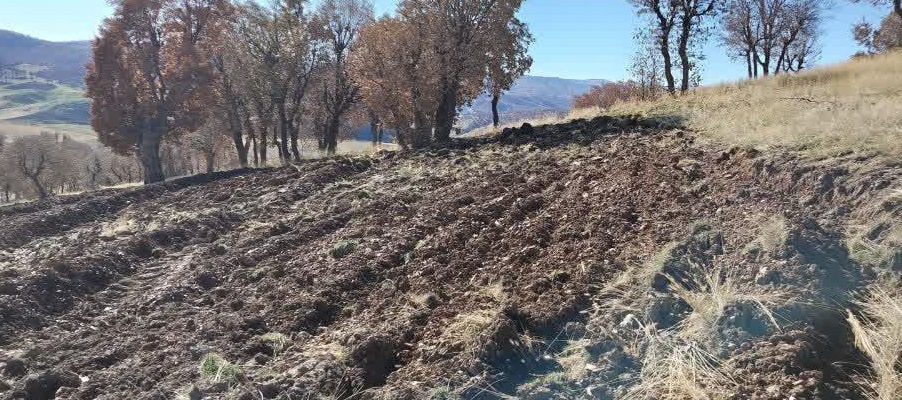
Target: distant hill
{"points": [[529, 97], [57, 61]]}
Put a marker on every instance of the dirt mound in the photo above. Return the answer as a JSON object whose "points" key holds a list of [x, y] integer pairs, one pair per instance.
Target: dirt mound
{"points": [[512, 265]]}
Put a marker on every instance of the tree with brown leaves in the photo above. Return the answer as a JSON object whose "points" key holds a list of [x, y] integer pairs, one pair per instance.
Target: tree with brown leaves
{"points": [[151, 73], [397, 75], [463, 36]]}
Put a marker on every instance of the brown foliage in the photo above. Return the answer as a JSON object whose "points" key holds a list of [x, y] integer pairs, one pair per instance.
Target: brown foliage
{"points": [[151, 73], [417, 69], [886, 38], [606, 95]]}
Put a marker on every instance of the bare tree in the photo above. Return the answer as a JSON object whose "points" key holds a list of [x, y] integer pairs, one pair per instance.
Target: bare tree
{"points": [[269, 71], [685, 23], [773, 36], [693, 16], [31, 157], [664, 15], [645, 68]]}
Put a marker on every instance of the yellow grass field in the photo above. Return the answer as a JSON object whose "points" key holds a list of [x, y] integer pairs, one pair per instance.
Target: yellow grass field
{"points": [[853, 107]]}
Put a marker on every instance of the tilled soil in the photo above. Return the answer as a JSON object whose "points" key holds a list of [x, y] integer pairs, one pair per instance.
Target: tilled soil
{"points": [[465, 270]]}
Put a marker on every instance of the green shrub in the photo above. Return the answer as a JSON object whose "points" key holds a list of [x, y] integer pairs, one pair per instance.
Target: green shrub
{"points": [[343, 248], [217, 369]]}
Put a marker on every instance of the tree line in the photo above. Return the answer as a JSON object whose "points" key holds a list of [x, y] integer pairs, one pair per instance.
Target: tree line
{"points": [[279, 75], [50, 163], [768, 36], [37, 166]]}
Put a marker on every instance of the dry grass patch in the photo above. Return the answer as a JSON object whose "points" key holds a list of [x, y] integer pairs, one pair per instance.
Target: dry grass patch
{"points": [[469, 330], [673, 369], [878, 333], [709, 294], [849, 107]]}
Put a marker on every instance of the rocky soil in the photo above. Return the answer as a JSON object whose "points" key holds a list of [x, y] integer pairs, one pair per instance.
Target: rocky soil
{"points": [[499, 267]]}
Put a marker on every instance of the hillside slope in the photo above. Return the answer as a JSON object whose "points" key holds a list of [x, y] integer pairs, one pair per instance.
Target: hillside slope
{"points": [[567, 261], [58, 61]]}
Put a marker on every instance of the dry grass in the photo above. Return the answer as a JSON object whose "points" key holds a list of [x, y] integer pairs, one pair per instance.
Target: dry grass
{"points": [[673, 369], [878, 333], [679, 362], [710, 293], [469, 330], [849, 107], [575, 360], [877, 240]]}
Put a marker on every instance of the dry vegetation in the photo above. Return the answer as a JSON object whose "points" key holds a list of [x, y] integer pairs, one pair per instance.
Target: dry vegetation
{"points": [[851, 107], [878, 333]]}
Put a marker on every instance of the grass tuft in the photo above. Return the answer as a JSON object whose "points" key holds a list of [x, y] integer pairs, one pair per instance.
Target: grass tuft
{"points": [[216, 369], [673, 369], [276, 341], [878, 333], [709, 294]]}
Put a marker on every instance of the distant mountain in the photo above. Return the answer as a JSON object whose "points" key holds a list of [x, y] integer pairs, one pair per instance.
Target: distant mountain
{"points": [[530, 96], [58, 61]]}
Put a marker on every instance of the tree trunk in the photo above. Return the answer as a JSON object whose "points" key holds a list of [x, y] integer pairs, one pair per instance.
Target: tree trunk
{"points": [[283, 135], [255, 150], [150, 157], [38, 187], [264, 145], [293, 135], [668, 64], [421, 135], [897, 6], [330, 139], [240, 148], [685, 65], [211, 161], [374, 126], [755, 62], [748, 63], [446, 113], [495, 120]]}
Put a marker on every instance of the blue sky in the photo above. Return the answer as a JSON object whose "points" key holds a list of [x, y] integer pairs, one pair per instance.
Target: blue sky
{"points": [[574, 38]]}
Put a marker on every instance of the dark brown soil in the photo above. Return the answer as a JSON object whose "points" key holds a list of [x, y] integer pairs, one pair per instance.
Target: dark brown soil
{"points": [[408, 276]]}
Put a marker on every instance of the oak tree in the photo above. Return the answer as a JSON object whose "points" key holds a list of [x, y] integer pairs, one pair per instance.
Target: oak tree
{"points": [[463, 37], [151, 73]]}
